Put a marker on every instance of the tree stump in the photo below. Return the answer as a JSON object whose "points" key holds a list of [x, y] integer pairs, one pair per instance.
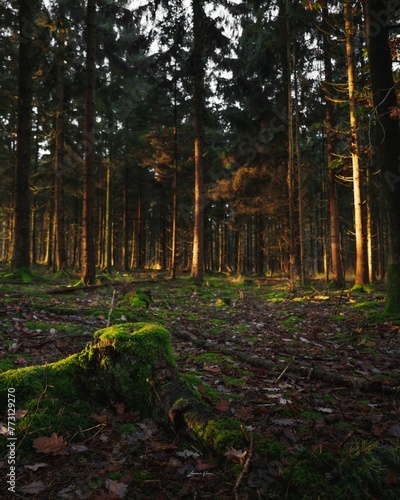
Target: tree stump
{"points": [[131, 364]]}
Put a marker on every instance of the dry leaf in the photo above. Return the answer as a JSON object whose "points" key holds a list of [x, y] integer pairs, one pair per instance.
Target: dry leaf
{"points": [[19, 414], [34, 488], [213, 369], [35, 467], [101, 419], [119, 408], [79, 448], [117, 488], [223, 405], [202, 466], [237, 455], [54, 444]]}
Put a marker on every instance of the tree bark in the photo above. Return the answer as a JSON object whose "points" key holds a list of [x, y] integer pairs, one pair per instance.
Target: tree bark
{"points": [[88, 272], [21, 243], [358, 212], [377, 17], [197, 271], [60, 258], [337, 271]]}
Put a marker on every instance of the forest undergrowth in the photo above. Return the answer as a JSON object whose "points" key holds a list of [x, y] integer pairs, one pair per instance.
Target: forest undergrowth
{"points": [[312, 375]]}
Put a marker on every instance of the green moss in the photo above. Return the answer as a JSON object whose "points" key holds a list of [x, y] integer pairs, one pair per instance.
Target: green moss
{"points": [[270, 448], [221, 434], [32, 381], [138, 299], [23, 274], [47, 415], [119, 364], [127, 428]]}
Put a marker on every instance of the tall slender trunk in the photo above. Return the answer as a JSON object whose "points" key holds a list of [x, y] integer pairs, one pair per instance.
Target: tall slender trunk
{"points": [[88, 271], [197, 271], [126, 227], [60, 260], [388, 144], [108, 217], [21, 244], [302, 256], [358, 212], [337, 270], [290, 155], [174, 181]]}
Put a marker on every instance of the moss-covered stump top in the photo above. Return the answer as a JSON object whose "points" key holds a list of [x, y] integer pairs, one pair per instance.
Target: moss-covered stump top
{"points": [[117, 366]]}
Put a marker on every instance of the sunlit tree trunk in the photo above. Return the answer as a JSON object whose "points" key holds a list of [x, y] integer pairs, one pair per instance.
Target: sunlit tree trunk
{"points": [[337, 271], [358, 212], [21, 243], [60, 258], [388, 144], [174, 228], [88, 271], [197, 271], [290, 155]]}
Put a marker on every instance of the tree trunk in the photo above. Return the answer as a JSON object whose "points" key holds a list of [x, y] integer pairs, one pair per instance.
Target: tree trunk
{"points": [[358, 212], [337, 271], [290, 155], [388, 147], [88, 272], [60, 258], [174, 228], [199, 71], [21, 244]]}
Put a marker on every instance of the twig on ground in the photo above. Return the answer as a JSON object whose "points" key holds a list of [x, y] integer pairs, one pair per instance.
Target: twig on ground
{"points": [[245, 468], [111, 308]]}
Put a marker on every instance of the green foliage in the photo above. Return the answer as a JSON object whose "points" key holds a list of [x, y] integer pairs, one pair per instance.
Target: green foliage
{"points": [[47, 415], [271, 448], [138, 299], [23, 274], [221, 434], [358, 472]]}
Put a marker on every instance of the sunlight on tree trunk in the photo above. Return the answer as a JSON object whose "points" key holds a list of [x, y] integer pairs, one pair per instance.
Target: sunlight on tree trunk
{"points": [[88, 272], [337, 271], [358, 213], [60, 261], [198, 61]]}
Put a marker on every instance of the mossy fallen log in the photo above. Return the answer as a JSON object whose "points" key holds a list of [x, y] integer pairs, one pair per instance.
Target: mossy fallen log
{"points": [[131, 364]]}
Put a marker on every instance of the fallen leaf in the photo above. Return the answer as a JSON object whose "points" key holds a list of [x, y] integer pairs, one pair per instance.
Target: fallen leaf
{"points": [[187, 454], [19, 414], [35, 467], [237, 455], [243, 413], [117, 488], [101, 419], [222, 405], [79, 448], [54, 444], [34, 488], [324, 410], [212, 369], [119, 408], [201, 466]]}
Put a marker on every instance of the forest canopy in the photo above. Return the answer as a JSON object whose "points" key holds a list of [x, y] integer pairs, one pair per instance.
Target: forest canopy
{"points": [[229, 136]]}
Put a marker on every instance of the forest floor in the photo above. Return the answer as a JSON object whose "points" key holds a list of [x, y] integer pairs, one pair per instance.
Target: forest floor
{"points": [[316, 372]]}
